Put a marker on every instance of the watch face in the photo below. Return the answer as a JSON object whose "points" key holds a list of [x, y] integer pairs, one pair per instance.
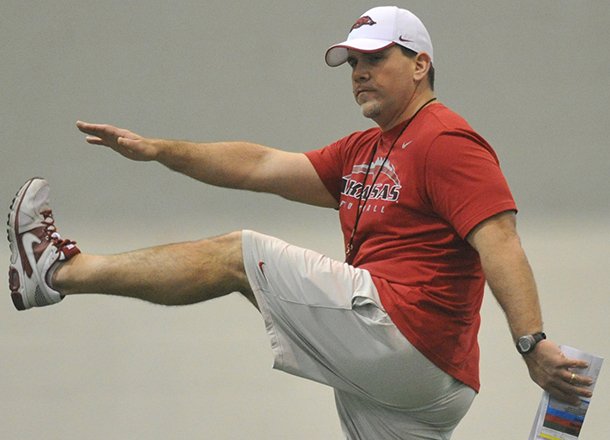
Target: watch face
{"points": [[525, 344]]}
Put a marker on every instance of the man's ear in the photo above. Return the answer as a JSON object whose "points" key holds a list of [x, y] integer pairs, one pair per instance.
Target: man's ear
{"points": [[422, 66]]}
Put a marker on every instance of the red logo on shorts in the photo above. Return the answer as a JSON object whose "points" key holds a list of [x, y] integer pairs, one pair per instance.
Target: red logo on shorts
{"points": [[261, 265], [362, 21]]}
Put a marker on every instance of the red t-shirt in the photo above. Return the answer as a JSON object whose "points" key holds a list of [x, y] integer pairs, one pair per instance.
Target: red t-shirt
{"points": [[440, 180]]}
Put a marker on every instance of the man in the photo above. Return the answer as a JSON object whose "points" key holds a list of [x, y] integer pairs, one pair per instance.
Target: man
{"points": [[426, 216]]}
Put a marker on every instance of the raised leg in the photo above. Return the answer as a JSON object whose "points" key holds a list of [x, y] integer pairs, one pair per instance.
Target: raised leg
{"points": [[44, 267], [174, 274]]}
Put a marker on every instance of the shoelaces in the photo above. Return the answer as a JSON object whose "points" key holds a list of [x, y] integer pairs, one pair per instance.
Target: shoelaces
{"points": [[54, 236]]}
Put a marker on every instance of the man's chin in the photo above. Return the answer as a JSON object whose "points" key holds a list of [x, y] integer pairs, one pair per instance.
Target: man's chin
{"points": [[370, 110]]}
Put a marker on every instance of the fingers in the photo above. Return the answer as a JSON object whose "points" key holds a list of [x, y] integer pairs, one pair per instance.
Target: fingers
{"points": [[104, 132], [87, 127], [122, 141], [99, 141], [576, 379], [567, 397], [576, 364], [98, 134], [93, 129], [568, 390], [568, 386], [570, 394], [558, 374], [570, 375], [94, 140]]}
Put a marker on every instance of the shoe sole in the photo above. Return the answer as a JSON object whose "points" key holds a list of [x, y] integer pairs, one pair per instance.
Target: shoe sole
{"points": [[14, 279]]}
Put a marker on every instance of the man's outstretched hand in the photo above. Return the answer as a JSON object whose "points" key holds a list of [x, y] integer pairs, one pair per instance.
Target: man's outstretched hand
{"points": [[122, 141]]}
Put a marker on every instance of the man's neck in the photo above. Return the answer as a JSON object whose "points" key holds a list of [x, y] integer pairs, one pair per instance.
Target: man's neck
{"points": [[422, 100]]}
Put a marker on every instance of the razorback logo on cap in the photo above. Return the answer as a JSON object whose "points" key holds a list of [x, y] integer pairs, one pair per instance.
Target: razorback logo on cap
{"points": [[366, 20]]}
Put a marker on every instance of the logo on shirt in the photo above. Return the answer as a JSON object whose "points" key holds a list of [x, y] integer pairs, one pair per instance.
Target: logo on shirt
{"points": [[386, 187]]}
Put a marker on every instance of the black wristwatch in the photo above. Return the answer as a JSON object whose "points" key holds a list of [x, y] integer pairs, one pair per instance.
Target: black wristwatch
{"points": [[527, 343]]}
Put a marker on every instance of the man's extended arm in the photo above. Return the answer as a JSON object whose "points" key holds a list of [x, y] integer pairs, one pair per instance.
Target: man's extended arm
{"points": [[240, 165], [511, 280]]}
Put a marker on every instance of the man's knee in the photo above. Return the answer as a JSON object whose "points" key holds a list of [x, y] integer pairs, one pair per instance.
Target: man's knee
{"points": [[228, 249]]}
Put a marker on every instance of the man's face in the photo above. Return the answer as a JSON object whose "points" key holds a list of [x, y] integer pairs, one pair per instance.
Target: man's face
{"points": [[382, 84]]}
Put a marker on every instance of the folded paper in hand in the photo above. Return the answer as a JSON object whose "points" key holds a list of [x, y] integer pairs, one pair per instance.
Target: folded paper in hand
{"points": [[557, 420]]}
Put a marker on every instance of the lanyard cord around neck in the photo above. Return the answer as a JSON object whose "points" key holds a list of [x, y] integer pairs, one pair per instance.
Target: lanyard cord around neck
{"points": [[349, 256]]}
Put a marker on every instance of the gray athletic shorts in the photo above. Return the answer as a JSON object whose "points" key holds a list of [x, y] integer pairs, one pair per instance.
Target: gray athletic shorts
{"points": [[326, 323]]}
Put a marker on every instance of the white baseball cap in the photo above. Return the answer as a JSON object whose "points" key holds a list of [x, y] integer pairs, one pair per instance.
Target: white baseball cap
{"points": [[379, 28]]}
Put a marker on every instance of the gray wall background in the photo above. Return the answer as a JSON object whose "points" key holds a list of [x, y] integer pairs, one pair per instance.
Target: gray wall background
{"points": [[532, 77]]}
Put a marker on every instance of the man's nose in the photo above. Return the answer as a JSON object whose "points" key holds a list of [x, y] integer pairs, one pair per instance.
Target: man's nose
{"points": [[360, 73]]}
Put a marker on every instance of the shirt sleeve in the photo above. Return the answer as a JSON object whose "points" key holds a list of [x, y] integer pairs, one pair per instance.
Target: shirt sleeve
{"points": [[328, 164], [464, 182]]}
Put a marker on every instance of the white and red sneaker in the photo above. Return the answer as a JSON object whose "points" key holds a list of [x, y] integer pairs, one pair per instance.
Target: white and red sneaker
{"points": [[35, 247]]}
